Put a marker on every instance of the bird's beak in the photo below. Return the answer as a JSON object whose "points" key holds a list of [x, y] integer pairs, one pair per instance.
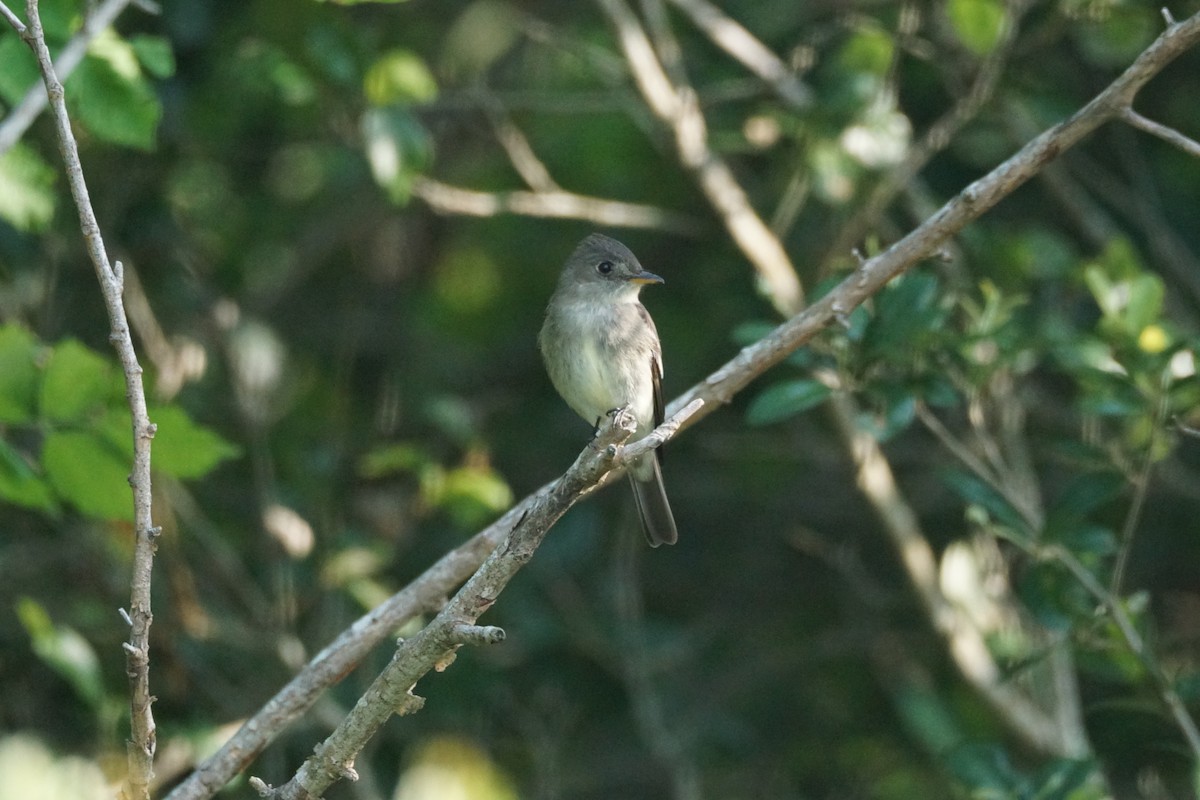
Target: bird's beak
{"points": [[642, 278]]}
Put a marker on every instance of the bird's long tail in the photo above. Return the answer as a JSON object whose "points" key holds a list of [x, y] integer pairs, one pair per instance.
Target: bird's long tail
{"points": [[657, 521]]}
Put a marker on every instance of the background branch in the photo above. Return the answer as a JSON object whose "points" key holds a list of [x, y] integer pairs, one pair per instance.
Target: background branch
{"points": [[96, 19], [446, 199], [679, 109]]}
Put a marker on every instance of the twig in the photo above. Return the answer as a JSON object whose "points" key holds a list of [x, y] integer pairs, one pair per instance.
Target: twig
{"points": [[1141, 488], [679, 109], [140, 750], [1170, 135], [935, 139], [447, 199], [24, 113], [339, 657], [520, 152], [729, 35], [1137, 645], [434, 646], [990, 474]]}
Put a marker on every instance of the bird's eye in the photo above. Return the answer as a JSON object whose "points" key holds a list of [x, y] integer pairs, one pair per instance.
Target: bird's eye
{"points": [[604, 267]]}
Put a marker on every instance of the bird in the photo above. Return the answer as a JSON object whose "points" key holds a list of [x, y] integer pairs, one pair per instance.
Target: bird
{"points": [[602, 353]]}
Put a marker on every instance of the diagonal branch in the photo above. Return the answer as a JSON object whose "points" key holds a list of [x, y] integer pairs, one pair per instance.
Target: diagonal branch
{"points": [[434, 647]]}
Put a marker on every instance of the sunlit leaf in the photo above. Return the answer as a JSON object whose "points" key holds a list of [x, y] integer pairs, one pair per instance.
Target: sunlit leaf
{"points": [[869, 49], [474, 494], [64, 650], [116, 107], [399, 76], [1144, 306], [76, 381], [89, 473], [391, 459], [484, 32], [27, 199], [979, 24], [183, 449], [155, 54]]}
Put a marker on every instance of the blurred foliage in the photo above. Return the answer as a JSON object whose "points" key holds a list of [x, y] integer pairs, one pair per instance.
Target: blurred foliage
{"points": [[346, 385]]}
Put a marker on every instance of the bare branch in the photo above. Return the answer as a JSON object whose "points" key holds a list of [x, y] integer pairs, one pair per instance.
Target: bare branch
{"points": [[140, 750], [1170, 135], [729, 35], [520, 152], [24, 113], [447, 199], [434, 644]]}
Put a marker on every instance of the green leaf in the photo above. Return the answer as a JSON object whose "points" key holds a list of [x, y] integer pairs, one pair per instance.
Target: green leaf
{"points": [[18, 70], [76, 381], [1083, 495], [117, 107], [89, 473], [868, 50], [64, 650], [391, 459], [474, 494], [27, 197], [397, 77], [904, 311], [184, 449], [481, 35], [18, 374], [155, 54], [979, 24], [979, 494], [1145, 302], [784, 400], [20, 485], [1069, 779], [60, 19]]}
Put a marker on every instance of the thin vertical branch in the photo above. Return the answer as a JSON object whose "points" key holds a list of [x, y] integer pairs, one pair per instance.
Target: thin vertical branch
{"points": [[1141, 487], [140, 750]]}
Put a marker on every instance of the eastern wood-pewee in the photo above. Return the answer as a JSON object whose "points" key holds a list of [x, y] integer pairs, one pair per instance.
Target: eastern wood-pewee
{"points": [[602, 352]]}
